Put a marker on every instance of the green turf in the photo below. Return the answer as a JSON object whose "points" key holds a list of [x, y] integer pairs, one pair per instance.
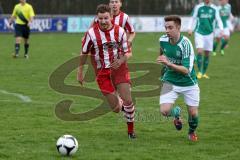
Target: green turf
{"points": [[30, 130]]}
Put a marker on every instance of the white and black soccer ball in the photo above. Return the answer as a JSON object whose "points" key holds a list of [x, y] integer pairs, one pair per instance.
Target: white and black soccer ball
{"points": [[67, 145]]}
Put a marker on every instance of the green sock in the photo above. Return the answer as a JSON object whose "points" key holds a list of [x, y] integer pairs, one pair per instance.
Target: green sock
{"points": [[17, 48], [224, 43], [199, 62], [175, 112], [193, 123], [215, 46], [205, 64]]}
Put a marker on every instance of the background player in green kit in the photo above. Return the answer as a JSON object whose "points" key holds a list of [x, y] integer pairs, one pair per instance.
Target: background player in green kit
{"points": [[177, 54], [206, 14], [226, 15]]}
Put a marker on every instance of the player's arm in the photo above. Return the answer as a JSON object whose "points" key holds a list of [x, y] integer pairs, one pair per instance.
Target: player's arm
{"points": [[13, 16], [192, 20], [82, 62], [10, 21], [130, 31], [123, 57], [179, 68], [126, 47], [188, 57], [163, 70], [219, 20], [30, 21], [86, 45], [32, 14], [160, 54], [231, 17], [131, 36]]}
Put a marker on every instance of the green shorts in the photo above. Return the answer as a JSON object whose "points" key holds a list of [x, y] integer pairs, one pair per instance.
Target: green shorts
{"points": [[22, 31]]}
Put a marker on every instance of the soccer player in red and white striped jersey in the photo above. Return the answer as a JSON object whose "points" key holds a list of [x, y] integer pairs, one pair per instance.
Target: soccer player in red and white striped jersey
{"points": [[110, 51], [122, 19]]}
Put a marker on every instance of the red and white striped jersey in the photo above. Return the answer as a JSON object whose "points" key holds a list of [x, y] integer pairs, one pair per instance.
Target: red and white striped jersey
{"points": [[105, 46], [122, 19]]}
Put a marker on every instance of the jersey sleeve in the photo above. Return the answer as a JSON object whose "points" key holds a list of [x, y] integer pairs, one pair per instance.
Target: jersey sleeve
{"points": [[218, 19], [128, 26], [193, 19], [86, 44], [188, 55], [124, 43], [31, 12], [14, 13]]}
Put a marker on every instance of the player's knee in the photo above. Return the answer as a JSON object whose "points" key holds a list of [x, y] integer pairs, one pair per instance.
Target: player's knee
{"points": [[116, 110], [127, 102], [193, 112], [164, 111], [18, 40], [226, 38], [200, 51]]}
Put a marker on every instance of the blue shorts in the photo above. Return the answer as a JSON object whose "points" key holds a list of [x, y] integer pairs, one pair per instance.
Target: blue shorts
{"points": [[22, 31]]}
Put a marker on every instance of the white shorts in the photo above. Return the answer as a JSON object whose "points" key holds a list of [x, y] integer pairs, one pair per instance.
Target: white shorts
{"points": [[217, 32], [169, 94], [230, 26], [204, 41]]}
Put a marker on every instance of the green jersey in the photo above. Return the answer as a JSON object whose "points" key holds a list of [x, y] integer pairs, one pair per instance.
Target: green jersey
{"points": [[181, 53], [206, 15], [225, 12]]}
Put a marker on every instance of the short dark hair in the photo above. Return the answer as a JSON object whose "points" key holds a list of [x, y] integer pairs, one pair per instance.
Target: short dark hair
{"points": [[176, 19], [120, 1], [103, 8]]}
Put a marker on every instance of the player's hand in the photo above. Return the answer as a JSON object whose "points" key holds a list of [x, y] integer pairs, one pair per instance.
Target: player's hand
{"points": [[29, 24], [129, 43], [116, 63], [163, 60], [222, 34], [190, 32], [80, 77], [9, 24]]}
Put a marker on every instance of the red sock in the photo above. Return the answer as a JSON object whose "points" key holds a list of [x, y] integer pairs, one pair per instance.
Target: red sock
{"points": [[130, 127]]}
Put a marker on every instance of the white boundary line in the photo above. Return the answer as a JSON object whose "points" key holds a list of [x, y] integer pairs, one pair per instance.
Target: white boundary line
{"points": [[20, 96]]}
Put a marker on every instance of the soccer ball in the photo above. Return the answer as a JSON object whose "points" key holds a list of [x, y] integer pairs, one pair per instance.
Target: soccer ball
{"points": [[67, 145]]}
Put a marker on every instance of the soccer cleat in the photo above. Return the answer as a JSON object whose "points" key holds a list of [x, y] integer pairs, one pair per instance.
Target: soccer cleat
{"points": [[15, 55], [132, 135], [193, 137], [199, 75], [178, 123], [222, 52], [214, 53], [206, 76], [26, 56]]}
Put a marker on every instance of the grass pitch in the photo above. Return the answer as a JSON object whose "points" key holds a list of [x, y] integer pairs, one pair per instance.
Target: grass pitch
{"points": [[29, 130]]}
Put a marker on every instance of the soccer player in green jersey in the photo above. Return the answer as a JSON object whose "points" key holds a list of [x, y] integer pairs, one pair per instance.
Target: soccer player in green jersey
{"points": [[226, 15], [206, 14], [179, 78], [23, 13]]}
